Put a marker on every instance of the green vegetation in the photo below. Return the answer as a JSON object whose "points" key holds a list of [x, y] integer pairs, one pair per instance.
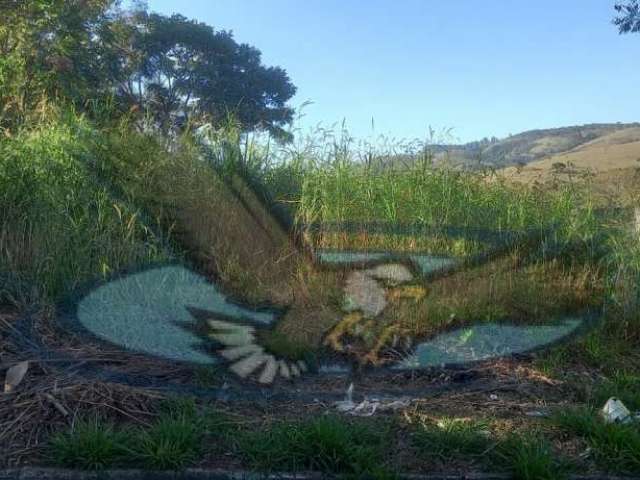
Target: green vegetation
{"points": [[167, 72], [175, 440], [478, 442], [327, 444], [450, 438], [615, 447], [59, 226], [104, 168], [171, 443], [357, 448], [628, 19], [90, 445], [529, 458]]}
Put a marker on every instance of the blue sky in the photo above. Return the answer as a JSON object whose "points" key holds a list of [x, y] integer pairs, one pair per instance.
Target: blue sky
{"points": [[480, 67]]}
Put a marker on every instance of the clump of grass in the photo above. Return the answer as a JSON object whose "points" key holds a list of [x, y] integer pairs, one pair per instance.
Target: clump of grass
{"points": [[327, 444], [615, 447], [529, 458], [90, 445], [452, 438], [171, 443], [175, 440]]}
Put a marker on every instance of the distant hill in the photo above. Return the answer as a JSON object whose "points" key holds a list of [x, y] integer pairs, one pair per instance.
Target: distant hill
{"points": [[532, 146], [616, 151]]}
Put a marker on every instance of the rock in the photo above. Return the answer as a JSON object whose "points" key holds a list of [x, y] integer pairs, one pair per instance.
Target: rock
{"points": [[246, 367], [394, 273], [236, 353], [614, 411], [270, 370], [295, 371], [364, 293], [284, 370], [15, 375], [302, 366]]}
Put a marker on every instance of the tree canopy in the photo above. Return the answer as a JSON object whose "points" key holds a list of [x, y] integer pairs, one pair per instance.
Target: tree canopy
{"points": [[187, 69], [628, 19], [167, 68]]}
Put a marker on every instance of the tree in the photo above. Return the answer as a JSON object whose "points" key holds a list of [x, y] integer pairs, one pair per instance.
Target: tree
{"points": [[57, 48], [175, 70], [628, 20], [184, 70]]}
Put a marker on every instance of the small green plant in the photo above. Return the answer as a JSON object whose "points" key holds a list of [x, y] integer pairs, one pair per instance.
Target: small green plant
{"points": [[89, 445], [452, 438], [622, 385], [529, 458], [553, 360], [326, 444], [172, 442], [616, 447]]}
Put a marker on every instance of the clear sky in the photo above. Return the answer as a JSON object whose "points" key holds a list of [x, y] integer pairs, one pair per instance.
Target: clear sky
{"points": [[481, 67]]}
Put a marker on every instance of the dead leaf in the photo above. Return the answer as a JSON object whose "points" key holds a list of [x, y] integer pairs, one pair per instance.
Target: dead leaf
{"points": [[15, 375]]}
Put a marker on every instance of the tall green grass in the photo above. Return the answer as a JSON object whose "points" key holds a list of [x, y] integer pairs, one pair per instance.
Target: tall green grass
{"points": [[59, 225], [79, 201]]}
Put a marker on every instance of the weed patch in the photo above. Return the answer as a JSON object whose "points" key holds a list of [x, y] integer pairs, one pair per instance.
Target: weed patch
{"points": [[328, 444], [615, 447], [529, 458], [450, 438], [90, 445]]}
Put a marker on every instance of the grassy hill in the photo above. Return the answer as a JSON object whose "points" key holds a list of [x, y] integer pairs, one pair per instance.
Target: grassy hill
{"points": [[538, 145], [618, 151]]}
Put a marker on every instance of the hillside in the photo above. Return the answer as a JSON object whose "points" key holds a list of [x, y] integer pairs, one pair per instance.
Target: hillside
{"points": [[585, 141], [618, 151]]}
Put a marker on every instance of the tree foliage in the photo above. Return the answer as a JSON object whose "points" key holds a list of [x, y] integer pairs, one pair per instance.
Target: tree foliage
{"points": [[186, 69], [53, 48], [171, 70], [628, 19]]}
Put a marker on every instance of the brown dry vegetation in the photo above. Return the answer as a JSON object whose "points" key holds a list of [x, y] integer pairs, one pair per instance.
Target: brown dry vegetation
{"points": [[616, 155]]}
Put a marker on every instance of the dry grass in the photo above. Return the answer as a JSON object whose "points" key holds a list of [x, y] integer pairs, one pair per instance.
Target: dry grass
{"points": [[250, 255], [616, 152]]}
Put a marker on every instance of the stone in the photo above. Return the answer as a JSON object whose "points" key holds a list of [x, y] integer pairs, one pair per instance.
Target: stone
{"points": [[393, 273], [247, 366], [270, 370], [284, 370], [236, 353], [302, 366], [295, 371], [365, 294]]}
